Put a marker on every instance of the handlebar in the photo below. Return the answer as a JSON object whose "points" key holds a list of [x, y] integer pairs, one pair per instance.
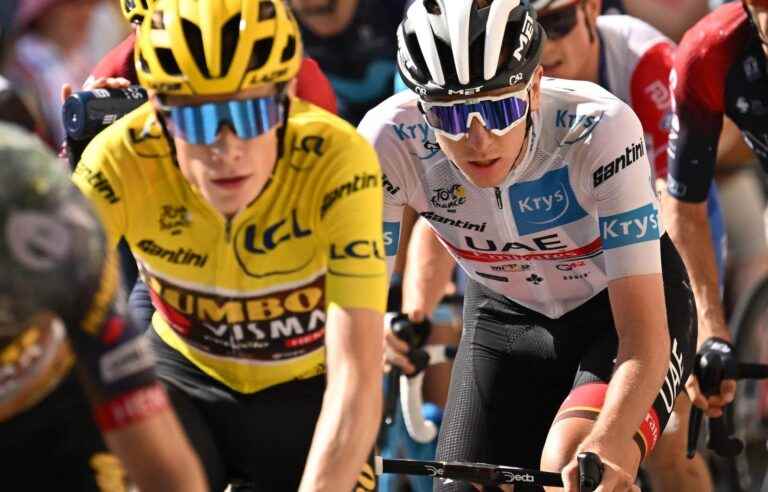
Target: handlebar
{"points": [[490, 476], [715, 363], [409, 387]]}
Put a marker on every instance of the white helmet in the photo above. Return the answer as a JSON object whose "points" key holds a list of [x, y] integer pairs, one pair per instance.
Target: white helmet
{"points": [[448, 47]]}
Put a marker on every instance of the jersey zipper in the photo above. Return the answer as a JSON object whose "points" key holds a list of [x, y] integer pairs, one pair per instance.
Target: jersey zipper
{"points": [[227, 229], [499, 203]]}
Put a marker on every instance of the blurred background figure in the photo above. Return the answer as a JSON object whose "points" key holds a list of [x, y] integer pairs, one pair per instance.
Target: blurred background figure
{"points": [[354, 43], [12, 109], [54, 42], [657, 13]]}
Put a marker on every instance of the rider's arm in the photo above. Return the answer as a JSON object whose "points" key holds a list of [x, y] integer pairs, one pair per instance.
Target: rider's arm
{"points": [[696, 127], [130, 406], [399, 214], [397, 178], [356, 291], [428, 272], [637, 304], [627, 209]]}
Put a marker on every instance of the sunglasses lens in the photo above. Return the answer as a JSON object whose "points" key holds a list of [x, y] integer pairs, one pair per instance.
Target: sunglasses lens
{"points": [[497, 115], [450, 119], [249, 118]]}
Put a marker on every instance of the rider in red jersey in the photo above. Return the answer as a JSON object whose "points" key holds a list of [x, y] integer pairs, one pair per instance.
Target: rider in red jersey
{"points": [[720, 70]]}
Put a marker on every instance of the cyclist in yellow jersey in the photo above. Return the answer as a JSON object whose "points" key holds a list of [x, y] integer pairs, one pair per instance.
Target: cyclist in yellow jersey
{"points": [[255, 219]]}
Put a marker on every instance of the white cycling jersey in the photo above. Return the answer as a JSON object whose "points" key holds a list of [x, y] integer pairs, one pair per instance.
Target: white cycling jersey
{"points": [[576, 212]]}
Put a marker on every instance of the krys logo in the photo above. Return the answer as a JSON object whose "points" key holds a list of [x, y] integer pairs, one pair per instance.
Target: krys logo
{"points": [[449, 198], [636, 226], [391, 238], [583, 124], [545, 203]]}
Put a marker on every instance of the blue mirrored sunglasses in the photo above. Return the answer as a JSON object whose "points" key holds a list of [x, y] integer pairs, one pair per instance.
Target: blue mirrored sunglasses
{"points": [[499, 114], [248, 118]]}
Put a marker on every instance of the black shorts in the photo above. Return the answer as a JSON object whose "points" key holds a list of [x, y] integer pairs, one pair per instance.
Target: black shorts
{"points": [[56, 445], [262, 439], [514, 368]]}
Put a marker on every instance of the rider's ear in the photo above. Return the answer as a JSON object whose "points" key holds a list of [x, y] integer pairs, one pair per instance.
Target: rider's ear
{"points": [[534, 92]]}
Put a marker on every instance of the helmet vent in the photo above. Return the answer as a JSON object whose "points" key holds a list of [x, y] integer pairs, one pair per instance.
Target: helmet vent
{"points": [[290, 49], [195, 43], [266, 11], [432, 7], [144, 4], [261, 50], [229, 40], [167, 61]]}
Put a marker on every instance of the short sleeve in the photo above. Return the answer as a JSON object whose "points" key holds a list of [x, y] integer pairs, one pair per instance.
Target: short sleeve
{"points": [[377, 129], [621, 183], [351, 217], [697, 81], [97, 177]]}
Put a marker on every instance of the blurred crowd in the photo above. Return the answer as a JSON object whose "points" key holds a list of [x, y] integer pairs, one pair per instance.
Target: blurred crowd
{"points": [[47, 44]]}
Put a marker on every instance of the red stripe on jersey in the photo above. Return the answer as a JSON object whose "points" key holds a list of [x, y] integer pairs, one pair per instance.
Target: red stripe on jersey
{"points": [[177, 320], [493, 257], [113, 330], [131, 407]]}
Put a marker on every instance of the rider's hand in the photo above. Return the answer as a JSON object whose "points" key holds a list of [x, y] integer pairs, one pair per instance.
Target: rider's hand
{"points": [[396, 350], [615, 479], [712, 406], [100, 83]]}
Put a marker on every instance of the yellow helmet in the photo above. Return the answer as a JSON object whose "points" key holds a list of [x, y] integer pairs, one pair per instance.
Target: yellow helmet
{"points": [[212, 47], [135, 10]]}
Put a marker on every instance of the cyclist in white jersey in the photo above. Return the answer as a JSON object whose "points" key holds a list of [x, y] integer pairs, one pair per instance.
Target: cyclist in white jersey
{"points": [[556, 226]]}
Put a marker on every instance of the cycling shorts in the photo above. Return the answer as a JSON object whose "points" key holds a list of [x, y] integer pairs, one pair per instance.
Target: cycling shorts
{"points": [[56, 445], [515, 367], [261, 439]]}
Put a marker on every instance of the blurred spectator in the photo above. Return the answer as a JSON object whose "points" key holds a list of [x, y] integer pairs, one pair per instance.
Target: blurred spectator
{"points": [[354, 42], [11, 107], [7, 15], [48, 52], [657, 13]]}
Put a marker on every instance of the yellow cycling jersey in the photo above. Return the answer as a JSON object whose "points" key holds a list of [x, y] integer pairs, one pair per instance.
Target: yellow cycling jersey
{"points": [[245, 299]]}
